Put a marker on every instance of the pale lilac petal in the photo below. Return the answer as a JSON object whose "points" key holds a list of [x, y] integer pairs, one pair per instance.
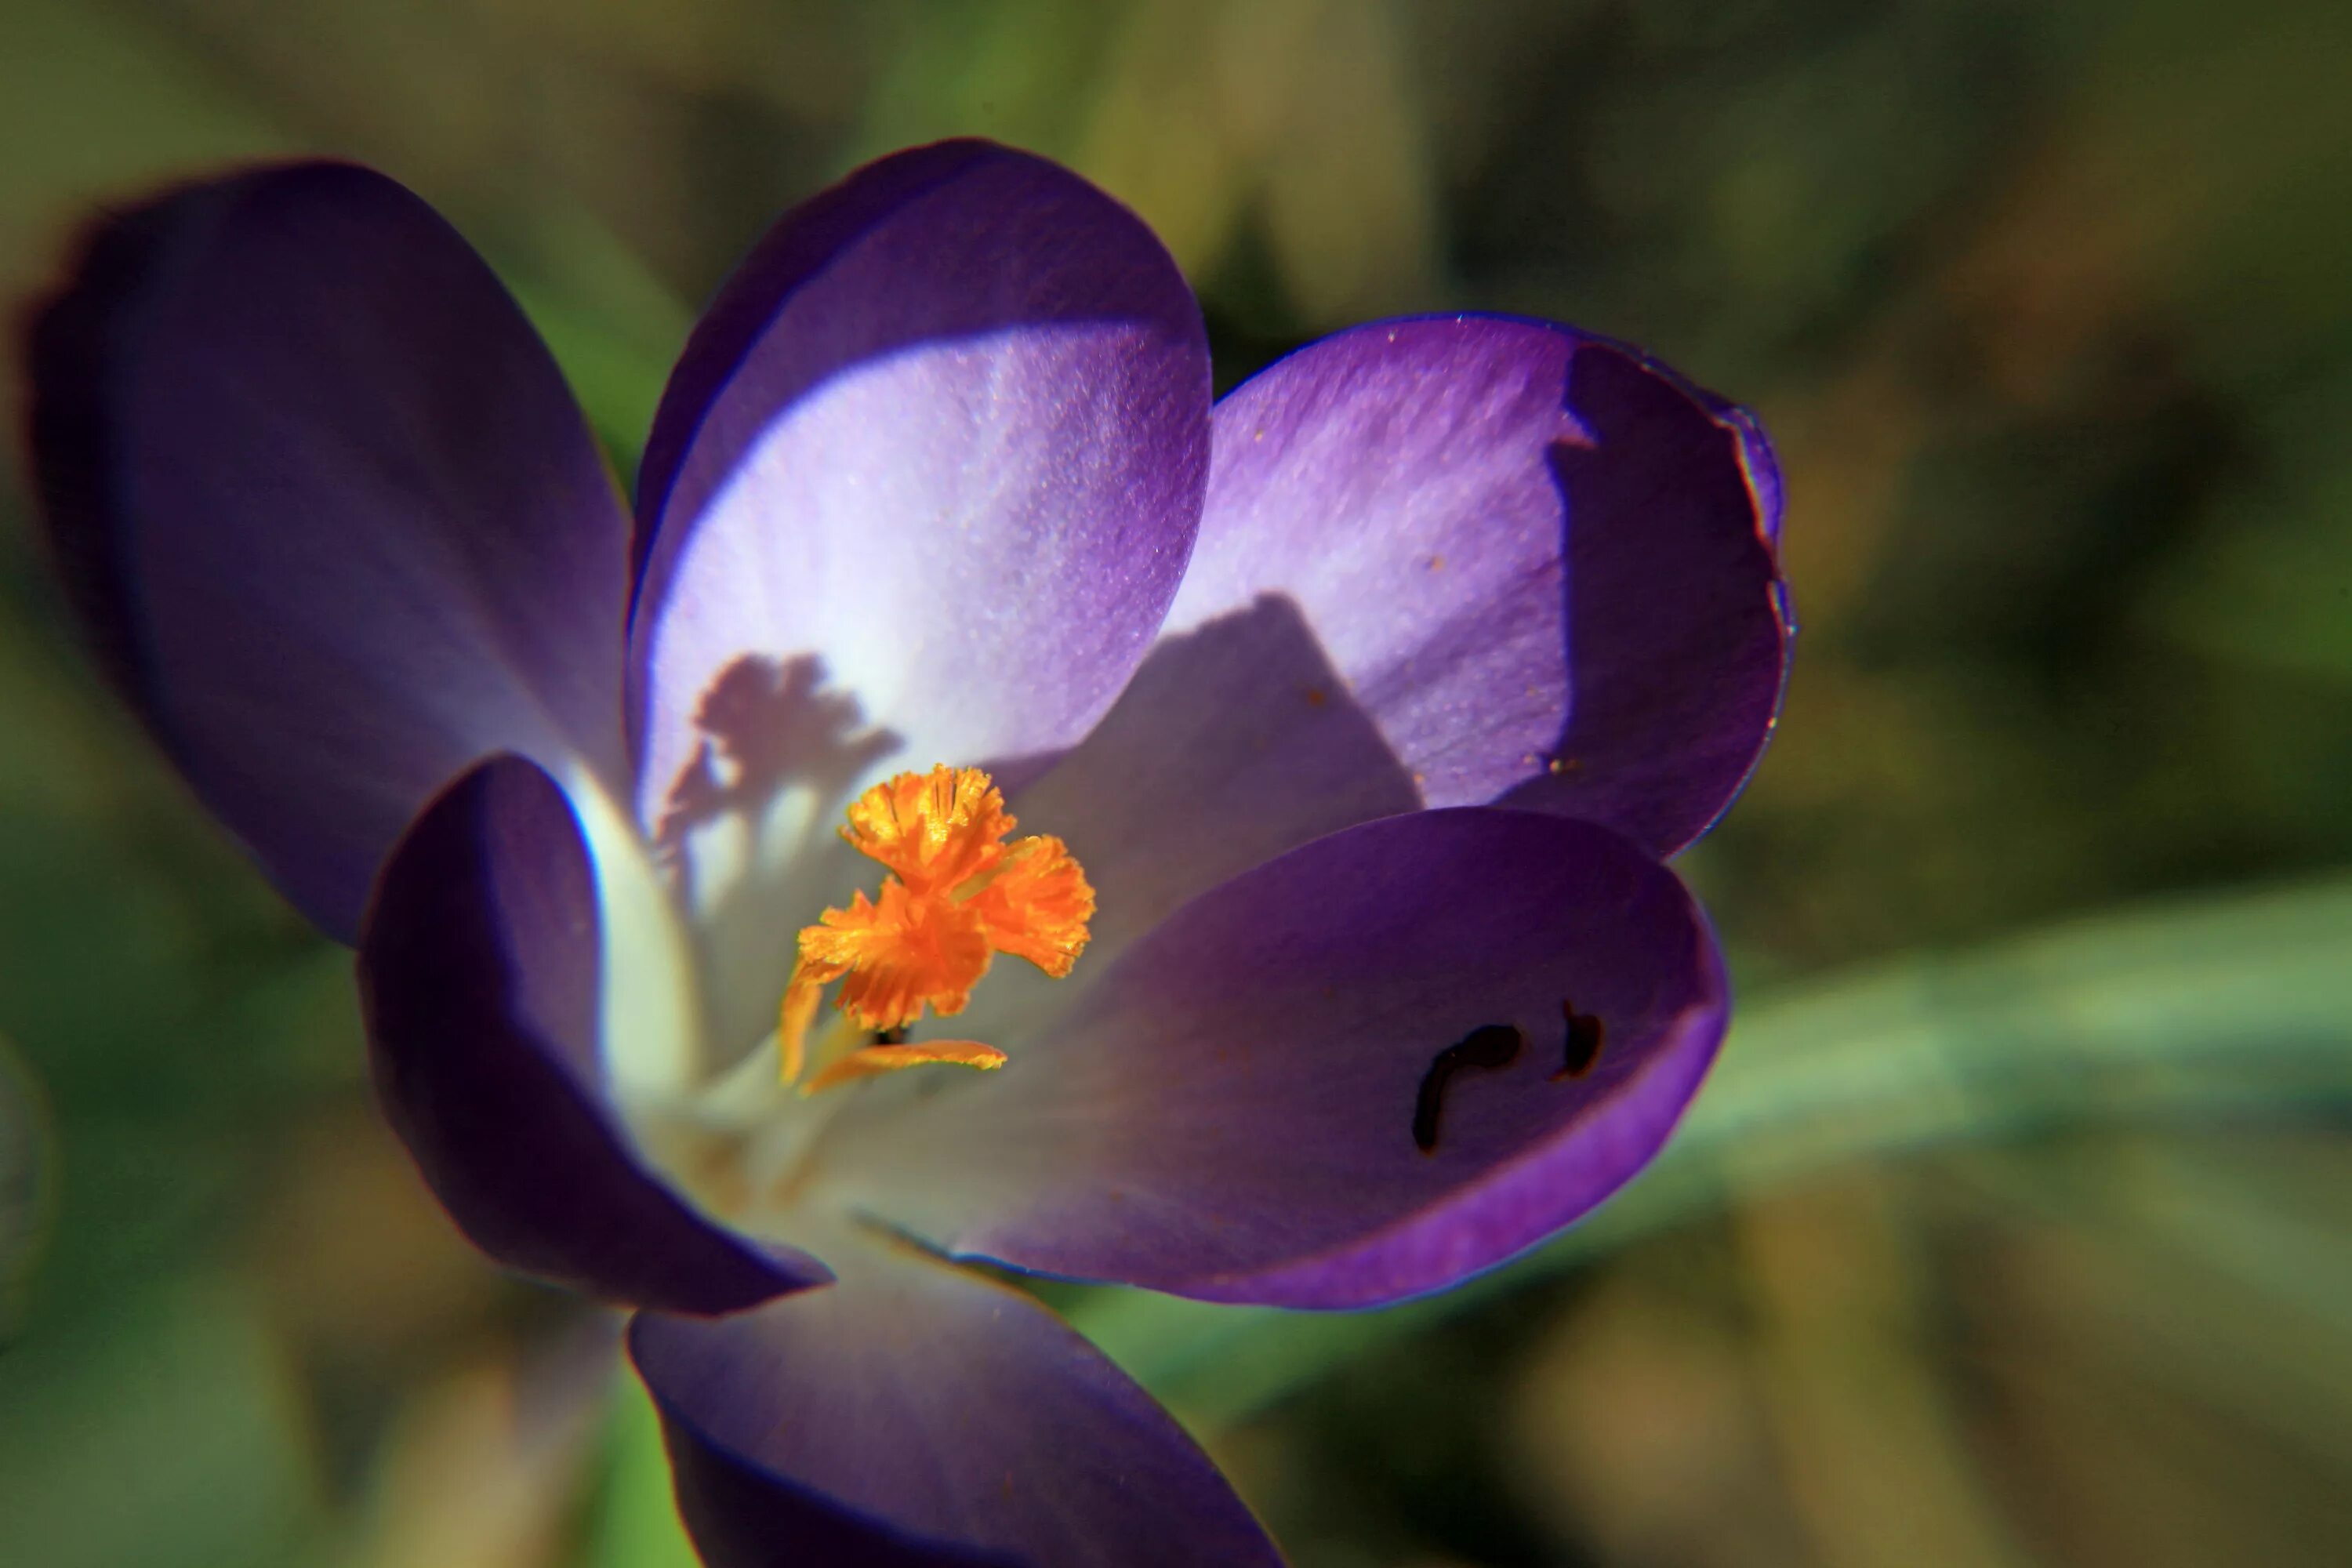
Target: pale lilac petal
{"points": [[481, 977], [327, 510], [1541, 565], [947, 431], [1231, 1111], [914, 1413]]}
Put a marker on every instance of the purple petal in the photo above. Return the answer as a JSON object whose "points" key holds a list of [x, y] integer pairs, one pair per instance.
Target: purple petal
{"points": [[1235, 1111], [1234, 741], [946, 430], [480, 976], [1761, 467], [914, 1413], [1542, 565], [327, 510]]}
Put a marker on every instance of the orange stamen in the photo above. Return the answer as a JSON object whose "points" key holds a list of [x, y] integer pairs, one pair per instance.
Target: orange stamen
{"points": [[957, 895], [866, 1061]]}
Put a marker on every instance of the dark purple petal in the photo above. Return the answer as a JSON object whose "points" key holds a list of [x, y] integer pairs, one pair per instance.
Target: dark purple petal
{"points": [[328, 510], [1761, 467], [1233, 1111], [915, 1415], [480, 976], [1542, 564], [946, 428]]}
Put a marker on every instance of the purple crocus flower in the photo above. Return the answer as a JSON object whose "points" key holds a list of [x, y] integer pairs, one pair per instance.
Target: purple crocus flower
{"points": [[1353, 719]]}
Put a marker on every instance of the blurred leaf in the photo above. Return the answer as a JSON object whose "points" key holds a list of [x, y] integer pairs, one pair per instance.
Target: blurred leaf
{"points": [[93, 103], [1016, 71], [27, 1184], [164, 1434], [2220, 131], [2270, 580], [617, 381], [2231, 1251], [613, 327], [482, 1465], [2153, 1331], [1866, 1426], [635, 1524], [2225, 1008]]}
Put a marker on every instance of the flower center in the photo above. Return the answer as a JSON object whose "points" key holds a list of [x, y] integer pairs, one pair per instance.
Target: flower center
{"points": [[957, 895]]}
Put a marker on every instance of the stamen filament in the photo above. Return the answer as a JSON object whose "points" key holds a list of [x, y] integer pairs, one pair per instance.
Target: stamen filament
{"points": [[869, 1061]]}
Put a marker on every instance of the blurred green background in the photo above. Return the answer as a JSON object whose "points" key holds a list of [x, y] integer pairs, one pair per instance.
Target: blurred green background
{"points": [[2013, 1230]]}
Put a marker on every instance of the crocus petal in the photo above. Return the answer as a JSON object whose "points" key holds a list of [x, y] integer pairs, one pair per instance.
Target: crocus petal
{"points": [[1235, 1110], [1235, 741], [948, 428], [328, 510], [1763, 468], [916, 1414], [1541, 563], [481, 979]]}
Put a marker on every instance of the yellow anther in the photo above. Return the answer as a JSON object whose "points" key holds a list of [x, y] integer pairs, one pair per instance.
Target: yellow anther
{"points": [[957, 895]]}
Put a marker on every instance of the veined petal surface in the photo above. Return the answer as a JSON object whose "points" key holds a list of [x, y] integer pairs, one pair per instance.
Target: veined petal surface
{"points": [[945, 429], [1539, 562], [1239, 1107], [328, 510]]}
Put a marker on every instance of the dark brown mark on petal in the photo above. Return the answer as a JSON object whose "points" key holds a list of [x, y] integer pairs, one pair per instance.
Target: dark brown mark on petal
{"points": [[1585, 1034], [1488, 1045]]}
